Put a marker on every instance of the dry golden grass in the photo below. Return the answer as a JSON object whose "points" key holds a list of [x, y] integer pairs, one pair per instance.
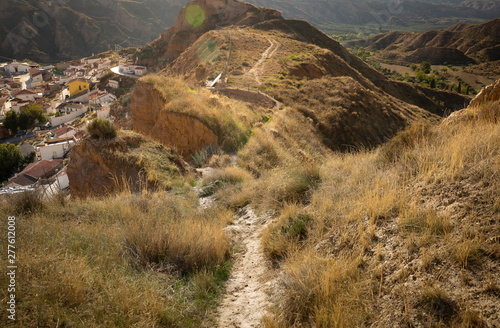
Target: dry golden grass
{"points": [[229, 119], [423, 204], [151, 260]]}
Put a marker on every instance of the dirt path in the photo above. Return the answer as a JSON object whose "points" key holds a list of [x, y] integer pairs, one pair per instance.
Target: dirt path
{"points": [[256, 71], [246, 297]]}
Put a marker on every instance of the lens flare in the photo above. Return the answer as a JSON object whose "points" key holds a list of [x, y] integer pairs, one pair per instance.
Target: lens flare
{"points": [[195, 15]]}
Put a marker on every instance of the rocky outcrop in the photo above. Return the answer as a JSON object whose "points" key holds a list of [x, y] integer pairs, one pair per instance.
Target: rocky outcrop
{"points": [[479, 107], [102, 167], [488, 94], [184, 132], [200, 16]]}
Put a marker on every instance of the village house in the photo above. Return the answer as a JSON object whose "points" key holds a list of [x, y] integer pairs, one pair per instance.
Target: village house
{"points": [[101, 97], [67, 112], [103, 64], [82, 97], [3, 83], [26, 95], [14, 85], [16, 67], [125, 68], [113, 84], [63, 132], [77, 86], [16, 104], [35, 171], [90, 61], [36, 77], [140, 70], [52, 89], [55, 148], [62, 179], [64, 79]]}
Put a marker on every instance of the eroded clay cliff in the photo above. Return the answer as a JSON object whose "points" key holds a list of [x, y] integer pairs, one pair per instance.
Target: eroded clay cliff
{"points": [[101, 167], [184, 132], [488, 94]]}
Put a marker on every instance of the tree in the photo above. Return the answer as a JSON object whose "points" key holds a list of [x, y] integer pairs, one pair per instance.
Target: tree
{"points": [[459, 88], [10, 158], [11, 121], [426, 67], [433, 83], [30, 115]]}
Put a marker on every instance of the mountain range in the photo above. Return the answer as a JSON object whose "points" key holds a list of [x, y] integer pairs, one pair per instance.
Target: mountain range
{"points": [[67, 29]]}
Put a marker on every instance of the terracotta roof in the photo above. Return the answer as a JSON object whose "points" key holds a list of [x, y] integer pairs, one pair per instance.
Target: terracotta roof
{"points": [[21, 180], [24, 92], [40, 169], [34, 72], [62, 130], [20, 100]]}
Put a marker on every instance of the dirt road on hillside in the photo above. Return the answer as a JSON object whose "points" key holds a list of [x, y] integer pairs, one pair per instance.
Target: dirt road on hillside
{"points": [[256, 71]]}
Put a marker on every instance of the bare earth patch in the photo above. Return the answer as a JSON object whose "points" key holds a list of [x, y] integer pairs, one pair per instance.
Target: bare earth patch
{"points": [[246, 298]]}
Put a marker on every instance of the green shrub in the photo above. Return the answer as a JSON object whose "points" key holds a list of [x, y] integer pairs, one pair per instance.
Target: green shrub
{"points": [[101, 129]]}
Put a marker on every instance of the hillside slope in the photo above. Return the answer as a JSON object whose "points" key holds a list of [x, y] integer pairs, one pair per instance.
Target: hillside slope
{"points": [[367, 17], [62, 30], [479, 42]]}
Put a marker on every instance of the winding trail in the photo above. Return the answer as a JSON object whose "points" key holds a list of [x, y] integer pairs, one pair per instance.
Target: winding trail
{"points": [[258, 68], [246, 298]]}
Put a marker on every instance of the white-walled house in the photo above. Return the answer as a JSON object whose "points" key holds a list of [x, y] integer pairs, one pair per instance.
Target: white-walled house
{"points": [[103, 64], [140, 70], [90, 61], [63, 132], [16, 67], [36, 77], [67, 112], [101, 97], [113, 84], [55, 148], [26, 95], [16, 104], [62, 179]]}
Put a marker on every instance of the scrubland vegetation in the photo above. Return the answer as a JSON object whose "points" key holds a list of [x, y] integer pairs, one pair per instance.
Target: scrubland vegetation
{"points": [[380, 235], [123, 261], [403, 234]]}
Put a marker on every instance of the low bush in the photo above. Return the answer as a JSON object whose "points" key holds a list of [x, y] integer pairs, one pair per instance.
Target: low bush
{"points": [[101, 129]]}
